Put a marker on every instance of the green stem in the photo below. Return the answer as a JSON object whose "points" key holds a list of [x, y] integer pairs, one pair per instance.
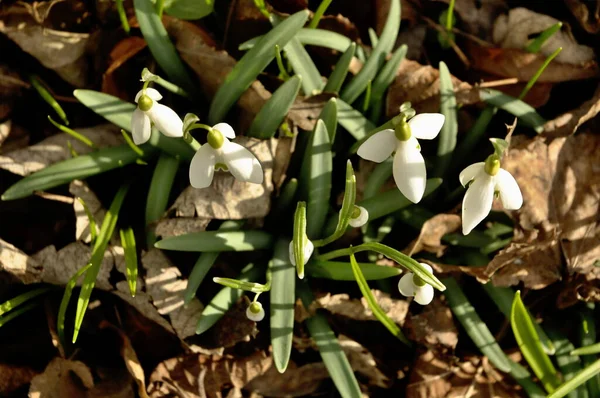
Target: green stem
{"points": [[319, 14], [539, 72], [160, 6]]}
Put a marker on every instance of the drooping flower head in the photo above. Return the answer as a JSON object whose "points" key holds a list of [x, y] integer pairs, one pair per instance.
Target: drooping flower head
{"points": [[220, 153], [409, 166], [255, 311], [307, 251], [411, 285], [150, 111], [487, 179], [359, 217]]}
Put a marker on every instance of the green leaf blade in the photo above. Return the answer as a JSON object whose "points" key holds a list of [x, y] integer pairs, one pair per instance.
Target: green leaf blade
{"points": [[449, 131], [217, 241], [340, 70], [319, 187], [524, 112]]}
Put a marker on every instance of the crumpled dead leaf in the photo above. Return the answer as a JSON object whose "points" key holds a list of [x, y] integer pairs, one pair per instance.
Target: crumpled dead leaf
{"points": [[586, 13], [55, 149], [434, 327], [179, 226], [18, 264], [62, 378], [432, 231], [234, 326], [295, 382], [363, 362], [358, 309], [569, 122], [80, 189], [228, 198], [64, 52], [13, 377], [166, 288]]}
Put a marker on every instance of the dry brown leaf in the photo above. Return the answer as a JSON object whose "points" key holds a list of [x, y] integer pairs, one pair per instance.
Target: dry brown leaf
{"points": [[12, 136], [63, 52], [234, 326], [434, 327], [11, 89], [179, 226], [295, 382], [55, 149], [420, 84], [13, 377], [228, 198], [568, 123], [62, 378], [341, 304], [195, 376], [18, 264], [478, 16], [430, 237], [80, 189], [166, 287], [121, 53], [4, 130], [363, 362], [586, 13]]}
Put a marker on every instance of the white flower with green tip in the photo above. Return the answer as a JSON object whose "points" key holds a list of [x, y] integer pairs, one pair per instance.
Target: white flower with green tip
{"points": [[220, 153], [359, 217], [487, 180], [308, 250], [255, 311], [150, 111], [409, 170], [411, 285]]}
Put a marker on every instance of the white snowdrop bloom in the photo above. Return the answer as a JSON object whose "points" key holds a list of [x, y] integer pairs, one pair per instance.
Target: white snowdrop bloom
{"points": [[255, 312], [308, 251], [411, 285], [149, 110], [488, 179], [409, 166], [359, 217], [220, 153]]}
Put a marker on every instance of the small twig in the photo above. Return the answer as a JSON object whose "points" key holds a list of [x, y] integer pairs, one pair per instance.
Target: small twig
{"points": [[55, 197], [496, 83]]}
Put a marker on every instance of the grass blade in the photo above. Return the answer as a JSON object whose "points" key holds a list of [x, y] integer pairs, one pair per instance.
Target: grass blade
{"points": [[18, 312], [273, 112], [383, 80], [21, 299], [304, 66], [341, 271], [340, 71], [587, 337], [375, 308], [131, 261], [584, 376], [72, 133], [524, 112], [106, 231], [46, 96], [329, 116], [319, 14], [64, 304], [160, 45], [319, 186], [217, 241], [158, 193], [474, 326], [352, 120], [283, 297], [568, 363], [447, 138], [252, 63], [312, 37], [587, 350], [331, 352], [537, 43], [190, 9], [529, 343]]}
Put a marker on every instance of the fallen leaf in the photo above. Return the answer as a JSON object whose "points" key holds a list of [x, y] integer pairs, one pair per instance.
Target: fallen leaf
{"points": [[478, 16], [80, 189], [432, 231], [179, 226], [13, 377], [295, 382], [363, 362], [434, 327], [228, 198], [18, 264], [358, 309], [234, 326], [55, 149], [62, 378], [64, 52], [569, 122], [12, 137], [121, 53], [589, 18], [166, 287], [11, 90]]}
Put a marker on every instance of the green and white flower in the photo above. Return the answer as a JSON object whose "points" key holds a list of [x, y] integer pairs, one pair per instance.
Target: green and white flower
{"points": [[150, 111], [255, 311], [411, 285]]}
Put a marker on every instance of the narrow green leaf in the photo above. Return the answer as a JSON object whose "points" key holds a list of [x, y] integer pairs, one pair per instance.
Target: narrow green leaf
{"points": [[72, 133], [160, 45], [217, 241], [303, 65], [587, 337], [447, 137], [523, 377], [242, 285], [81, 167], [299, 240], [91, 220], [21, 299], [131, 261], [515, 107], [46, 96], [64, 304], [386, 42], [569, 364], [159, 192], [341, 271], [18, 312], [331, 352], [319, 13], [283, 296], [539, 72], [319, 186], [252, 63], [585, 375], [588, 350], [106, 231], [373, 37], [474, 326], [122, 16], [204, 262], [312, 37], [273, 112], [340, 70], [329, 116], [189, 9], [383, 80], [375, 308], [224, 300], [529, 343], [536, 44], [352, 120]]}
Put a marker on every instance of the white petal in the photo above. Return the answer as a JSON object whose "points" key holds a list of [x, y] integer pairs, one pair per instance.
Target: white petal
{"points": [[166, 120], [291, 253], [426, 126], [309, 248], [362, 218], [510, 194], [225, 129], [427, 267], [424, 294], [256, 317], [406, 285], [409, 170], [242, 163], [477, 202], [470, 172], [140, 127], [202, 167], [150, 92], [379, 146]]}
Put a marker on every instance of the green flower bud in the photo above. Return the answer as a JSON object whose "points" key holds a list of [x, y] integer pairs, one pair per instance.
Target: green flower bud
{"points": [[215, 139], [402, 129], [145, 103], [492, 165]]}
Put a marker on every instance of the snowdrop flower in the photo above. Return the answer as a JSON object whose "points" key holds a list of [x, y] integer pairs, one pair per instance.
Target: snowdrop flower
{"points": [[488, 179], [255, 312], [359, 217], [409, 166], [220, 153], [411, 285], [149, 110], [308, 251]]}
